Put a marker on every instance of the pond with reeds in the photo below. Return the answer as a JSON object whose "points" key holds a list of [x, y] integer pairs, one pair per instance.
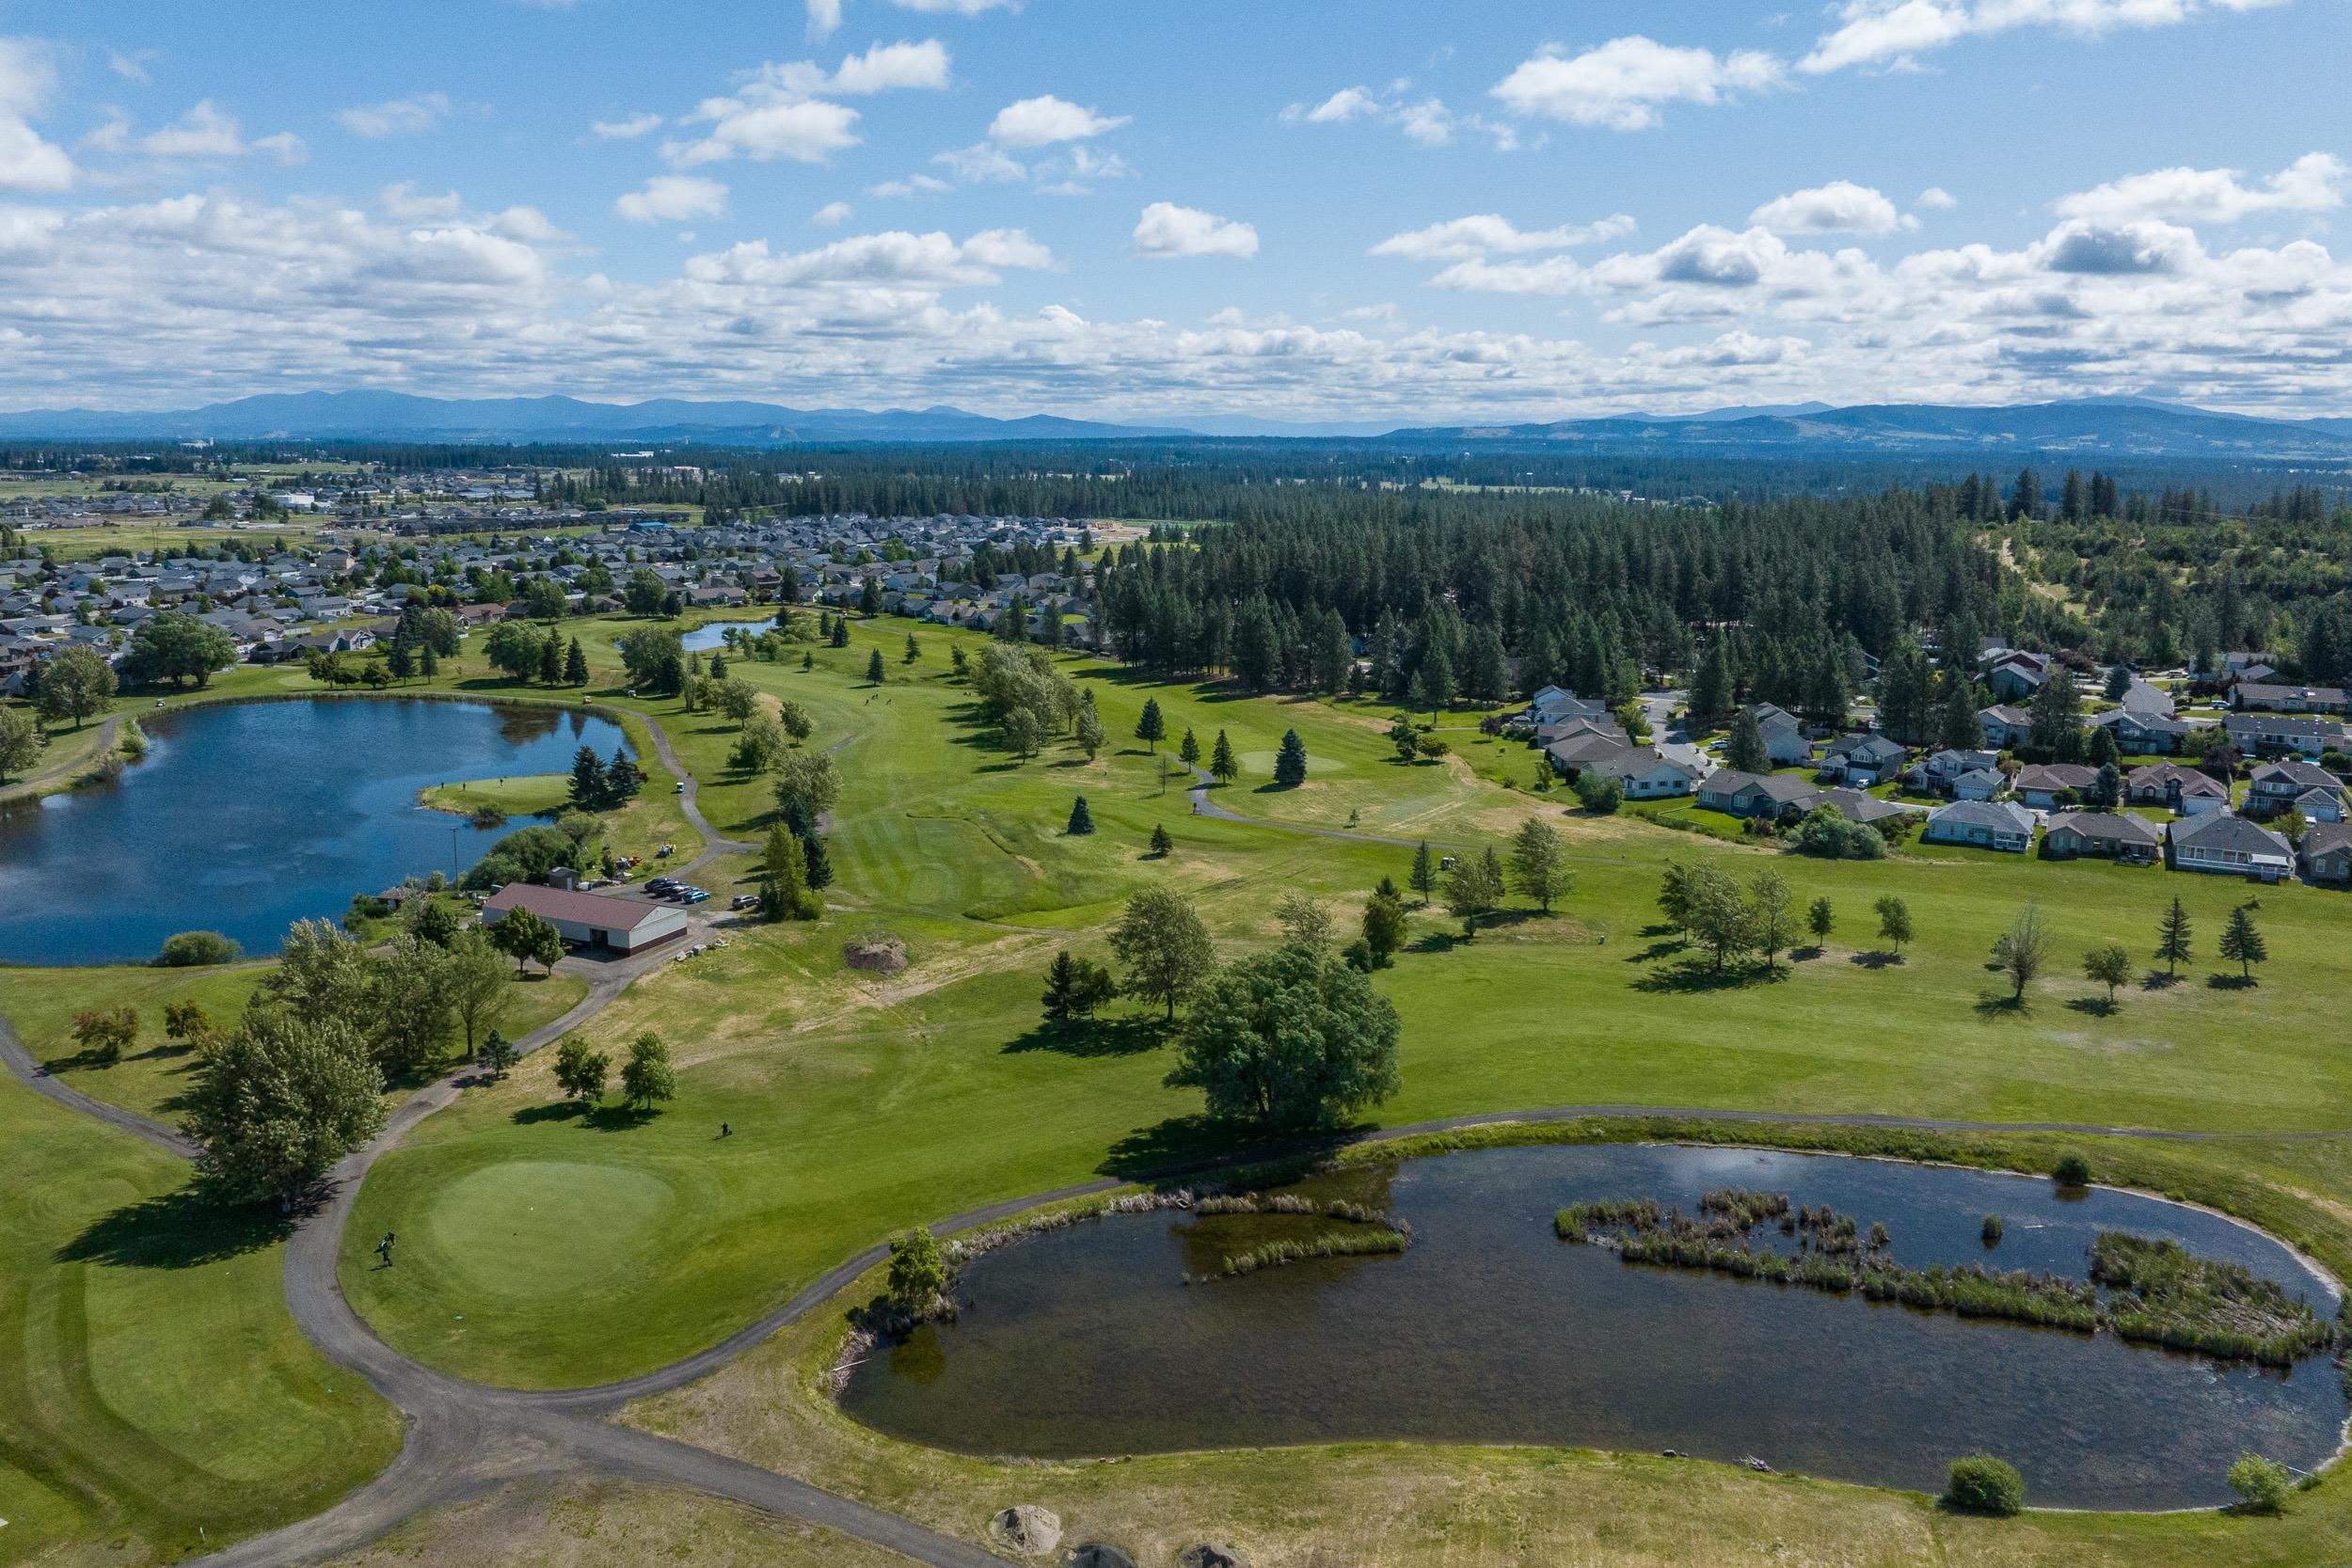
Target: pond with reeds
{"points": [[1130, 1334]]}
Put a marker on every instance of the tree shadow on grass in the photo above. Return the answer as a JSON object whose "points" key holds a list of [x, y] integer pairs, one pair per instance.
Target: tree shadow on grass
{"points": [[2097, 1006], [1191, 1144], [1876, 959], [2156, 979], [561, 1110], [1695, 975], [2232, 982], [81, 1061], [178, 1230], [1995, 1005], [1657, 950], [1437, 942], [1094, 1036]]}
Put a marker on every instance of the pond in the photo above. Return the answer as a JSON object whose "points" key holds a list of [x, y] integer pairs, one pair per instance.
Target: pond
{"points": [[704, 638], [245, 818], [1085, 1341]]}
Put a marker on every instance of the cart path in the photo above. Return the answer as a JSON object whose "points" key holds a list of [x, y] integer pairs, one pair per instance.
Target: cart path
{"points": [[465, 1438]]}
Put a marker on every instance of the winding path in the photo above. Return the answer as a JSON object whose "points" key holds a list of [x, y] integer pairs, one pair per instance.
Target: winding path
{"points": [[463, 1438]]}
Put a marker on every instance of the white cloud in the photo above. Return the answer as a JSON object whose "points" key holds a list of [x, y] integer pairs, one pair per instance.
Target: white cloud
{"points": [[673, 198], [131, 67], [982, 163], [809, 131], [627, 128], [28, 162], [833, 215], [897, 259], [1937, 198], [397, 116], [1461, 239], [2313, 183], [883, 68], [1342, 107], [1623, 83], [824, 16], [1041, 122], [1167, 230], [1841, 207], [204, 131], [913, 185], [404, 203], [956, 7], [1895, 32]]}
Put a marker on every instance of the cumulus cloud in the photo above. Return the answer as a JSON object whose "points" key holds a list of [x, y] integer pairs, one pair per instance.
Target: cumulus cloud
{"points": [[2078, 246], [673, 198], [27, 162], [913, 185], [2313, 183], [883, 67], [1841, 207], [807, 130], [1044, 120], [627, 128], [824, 16], [1167, 230], [833, 215], [1342, 107], [397, 116], [205, 131], [895, 259], [1461, 239], [1624, 83], [1896, 31], [1937, 198]]}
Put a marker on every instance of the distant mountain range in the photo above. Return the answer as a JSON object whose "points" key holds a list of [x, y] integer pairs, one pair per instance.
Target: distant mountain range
{"points": [[2092, 428]]}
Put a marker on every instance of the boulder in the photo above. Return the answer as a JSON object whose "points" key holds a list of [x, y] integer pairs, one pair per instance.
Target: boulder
{"points": [[1026, 1529], [1210, 1554], [1095, 1554]]}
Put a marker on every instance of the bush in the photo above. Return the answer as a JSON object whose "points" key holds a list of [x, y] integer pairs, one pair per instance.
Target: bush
{"points": [[2262, 1482], [1992, 1231], [1984, 1485], [2072, 1170], [1826, 832], [189, 949], [1600, 796]]}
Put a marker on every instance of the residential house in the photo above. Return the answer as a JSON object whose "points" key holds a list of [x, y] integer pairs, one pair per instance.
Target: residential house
{"points": [[2271, 735], [2041, 784], [2016, 676], [1767, 794], [2116, 835], [1571, 753], [1934, 774], [1784, 738], [1979, 784], [1982, 825], [2142, 734], [1866, 810], [1861, 760], [2005, 726], [2278, 787], [2325, 852], [1646, 773], [2234, 846], [2184, 791], [2255, 697]]}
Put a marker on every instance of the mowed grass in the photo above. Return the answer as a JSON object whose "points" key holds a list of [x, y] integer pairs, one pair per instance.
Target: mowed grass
{"points": [[154, 1394], [153, 1076], [863, 1104]]}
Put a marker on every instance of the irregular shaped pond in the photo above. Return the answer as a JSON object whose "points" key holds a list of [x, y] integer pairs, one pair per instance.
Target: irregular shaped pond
{"points": [[1083, 1341], [248, 817]]}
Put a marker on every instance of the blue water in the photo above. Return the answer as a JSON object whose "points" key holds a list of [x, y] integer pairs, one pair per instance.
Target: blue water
{"points": [[704, 638], [244, 818]]}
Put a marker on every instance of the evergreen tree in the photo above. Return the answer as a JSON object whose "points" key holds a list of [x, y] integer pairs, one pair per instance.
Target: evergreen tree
{"points": [[2242, 942], [1152, 728], [1290, 763], [819, 863], [840, 631], [1957, 725], [2057, 710], [1223, 766], [575, 664], [1744, 750], [550, 661], [2173, 933], [588, 781], [1712, 690], [1190, 749], [1081, 820], [622, 780], [1423, 877], [1162, 846], [874, 672], [914, 650]]}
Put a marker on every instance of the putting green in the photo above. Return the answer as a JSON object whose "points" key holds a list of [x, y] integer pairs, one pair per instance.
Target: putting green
{"points": [[522, 1231]]}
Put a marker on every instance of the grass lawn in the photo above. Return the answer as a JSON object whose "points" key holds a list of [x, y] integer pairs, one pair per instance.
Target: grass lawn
{"points": [[1439, 1506], [152, 1382], [530, 795], [39, 1004], [861, 1105]]}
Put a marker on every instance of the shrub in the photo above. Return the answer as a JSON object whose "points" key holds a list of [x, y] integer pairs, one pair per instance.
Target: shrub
{"points": [[189, 949], [1984, 1485], [2072, 1170], [1598, 795], [2262, 1482], [1826, 832], [1991, 1230]]}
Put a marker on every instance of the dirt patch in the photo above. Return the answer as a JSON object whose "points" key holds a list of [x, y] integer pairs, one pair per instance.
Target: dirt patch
{"points": [[875, 953]]}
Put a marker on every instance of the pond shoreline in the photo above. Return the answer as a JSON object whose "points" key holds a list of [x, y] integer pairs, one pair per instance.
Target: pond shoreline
{"points": [[1975, 1159]]}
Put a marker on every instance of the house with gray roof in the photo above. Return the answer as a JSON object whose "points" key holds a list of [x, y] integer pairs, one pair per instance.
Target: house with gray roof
{"points": [[2230, 846], [1981, 825], [2326, 853], [2115, 835]]}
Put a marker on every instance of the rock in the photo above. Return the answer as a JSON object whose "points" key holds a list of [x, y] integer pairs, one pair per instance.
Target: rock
{"points": [[1095, 1554], [1026, 1529], [1756, 1465], [1210, 1554]]}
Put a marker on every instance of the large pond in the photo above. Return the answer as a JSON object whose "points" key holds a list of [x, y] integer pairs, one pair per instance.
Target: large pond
{"points": [[704, 638], [246, 818], [1085, 1341]]}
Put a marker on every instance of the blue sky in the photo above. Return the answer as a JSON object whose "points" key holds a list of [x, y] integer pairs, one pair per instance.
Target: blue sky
{"points": [[1309, 209]]}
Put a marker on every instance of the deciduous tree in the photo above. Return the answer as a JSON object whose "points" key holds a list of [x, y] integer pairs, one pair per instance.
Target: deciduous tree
{"points": [[1290, 1038], [1165, 949], [1539, 864]]}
